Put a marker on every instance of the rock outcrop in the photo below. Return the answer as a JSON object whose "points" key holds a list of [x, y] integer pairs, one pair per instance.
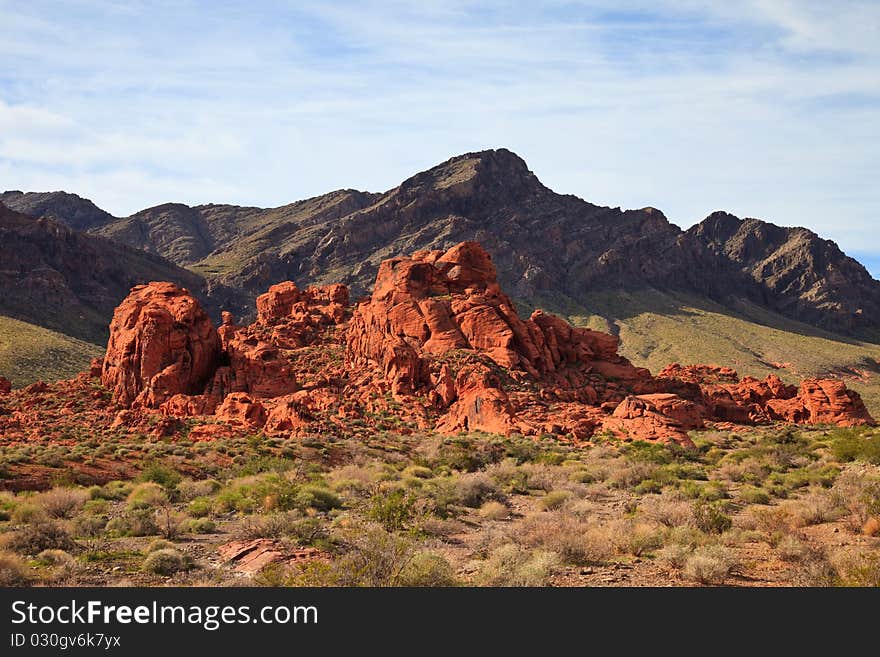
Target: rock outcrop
{"points": [[161, 344], [438, 346]]}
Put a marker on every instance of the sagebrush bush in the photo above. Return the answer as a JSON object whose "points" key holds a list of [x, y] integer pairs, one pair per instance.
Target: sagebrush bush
{"points": [[62, 502], [394, 511], [137, 522], [668, 509], [427, 569], [512, 565], [710, 517], [710, 564], [575, 540], [473, 488], [493, 510], [189, 490], [27, 512], [13, 571], [147, 495], [36, 537], [554, 500], [165, 562], [675, 555]]}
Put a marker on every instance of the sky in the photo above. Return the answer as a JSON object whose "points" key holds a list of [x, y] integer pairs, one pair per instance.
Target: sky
{"points": [[763, 108]]}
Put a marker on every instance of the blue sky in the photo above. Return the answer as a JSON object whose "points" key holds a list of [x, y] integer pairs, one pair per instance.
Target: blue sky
{"points": [[764, 108]]}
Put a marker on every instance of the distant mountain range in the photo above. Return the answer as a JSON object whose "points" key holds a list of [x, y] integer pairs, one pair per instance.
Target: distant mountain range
{"points": [[67, 262]]}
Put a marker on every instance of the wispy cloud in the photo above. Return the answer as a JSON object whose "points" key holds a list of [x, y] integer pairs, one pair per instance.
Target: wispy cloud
{"points": [[764, 108]]}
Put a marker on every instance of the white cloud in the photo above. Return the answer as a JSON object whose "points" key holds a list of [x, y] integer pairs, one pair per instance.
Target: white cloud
{"points": [[763, 108]]}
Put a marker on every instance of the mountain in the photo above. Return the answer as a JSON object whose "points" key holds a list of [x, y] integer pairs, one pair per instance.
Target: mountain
{"points": [[551, 248], [74, 211], [802, 275], [741, 291], [55, 277]]}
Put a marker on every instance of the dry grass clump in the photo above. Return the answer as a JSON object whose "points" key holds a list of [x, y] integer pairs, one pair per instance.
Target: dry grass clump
{"points": [[575, 540], [62, 502], [636, 537], [513, 565], [493, 510], [710, 564], [668, 509], [13, 571], [857, 490]]}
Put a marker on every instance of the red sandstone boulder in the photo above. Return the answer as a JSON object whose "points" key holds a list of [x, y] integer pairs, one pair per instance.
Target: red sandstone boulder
{"points": [[821, 401], [240, 407], [161, 343], [638, 418], [5, 386], [482, 404]]}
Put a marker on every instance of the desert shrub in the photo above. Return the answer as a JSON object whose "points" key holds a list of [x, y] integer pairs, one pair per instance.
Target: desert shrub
{"points": [[851, 445], [88, 526], [813, 509], [575, 541], [13, 571], [27, 512], [136, 522], [160, 474], [710, 564], [675, 555], [858, 492], [394, 510], [200, 526], [39, 536], [857, 568], [313, 497], [668, 509], [54, 558], [169, 521], [62, 502], [509, 477], [158, 544], [96, 507], [753, 495], [512, 565], [710, 517], [427, 569], [372, 557], [273, 525], [493, 510], [554, 500], [306, 530], [200, 507], [418, 471], [636, 538], [791, 548], [165, 562], [146, 495], [112, 490], [189, 490], [630, 476], [474, 488]]}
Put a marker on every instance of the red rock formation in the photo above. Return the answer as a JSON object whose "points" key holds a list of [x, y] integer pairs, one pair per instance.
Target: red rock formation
{"points": [[821, 401], [161, 343], [5, 386], [437, 347]]}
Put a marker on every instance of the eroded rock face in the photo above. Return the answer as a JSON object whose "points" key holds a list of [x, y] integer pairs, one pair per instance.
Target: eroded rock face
{"points": [[437, 347], [161, 344], [5, 385]]}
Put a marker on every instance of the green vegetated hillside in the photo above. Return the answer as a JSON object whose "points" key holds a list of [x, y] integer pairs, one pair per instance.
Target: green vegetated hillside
{"points": [[657, 328], [29, 353]]}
